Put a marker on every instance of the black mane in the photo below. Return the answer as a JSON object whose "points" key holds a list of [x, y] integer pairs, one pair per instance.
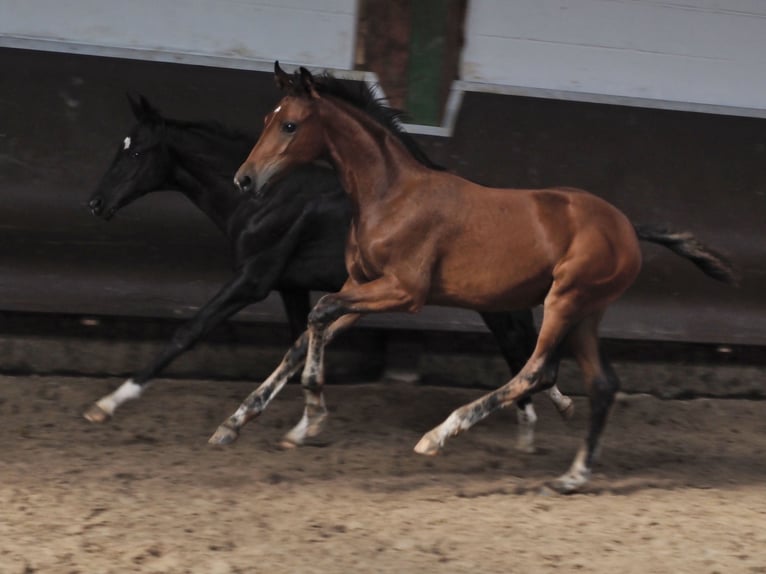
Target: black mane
{"points": [[213, 128], [146, 113], [362, 97], [210, 143]]}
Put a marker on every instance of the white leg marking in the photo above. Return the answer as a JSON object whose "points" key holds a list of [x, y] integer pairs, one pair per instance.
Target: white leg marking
{"points": [[434, 439], [311, 422], [525, 439], [577, 475], [298, 432], [563, 403], [126, 392]]}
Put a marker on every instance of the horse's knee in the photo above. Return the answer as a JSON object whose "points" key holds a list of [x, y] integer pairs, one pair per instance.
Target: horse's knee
{"points": [[311, 378], [327, 310]]}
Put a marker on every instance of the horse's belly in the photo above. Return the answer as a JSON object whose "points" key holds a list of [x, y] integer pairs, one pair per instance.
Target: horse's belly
{"points": [[491, 288]]}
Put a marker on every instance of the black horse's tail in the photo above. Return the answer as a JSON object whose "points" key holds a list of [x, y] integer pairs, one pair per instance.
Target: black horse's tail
{"points": [[686, 245]]}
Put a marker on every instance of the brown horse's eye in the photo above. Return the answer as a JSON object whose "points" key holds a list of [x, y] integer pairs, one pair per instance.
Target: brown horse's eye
{"points": [[289, 127]]}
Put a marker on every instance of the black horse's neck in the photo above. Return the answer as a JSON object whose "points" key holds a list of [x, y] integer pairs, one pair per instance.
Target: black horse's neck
{"points": [[205, 158]]}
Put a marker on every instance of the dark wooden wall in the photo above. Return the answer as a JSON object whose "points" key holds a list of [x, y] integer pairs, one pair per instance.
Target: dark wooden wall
{"points": [[62, 116]]}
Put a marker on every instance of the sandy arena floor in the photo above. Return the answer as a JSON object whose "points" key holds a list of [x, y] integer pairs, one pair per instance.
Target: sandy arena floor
{"points": [[681, 486]]}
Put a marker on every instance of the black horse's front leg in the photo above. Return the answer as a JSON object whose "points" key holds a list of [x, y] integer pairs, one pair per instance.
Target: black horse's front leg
{"points": [[236, 294]]}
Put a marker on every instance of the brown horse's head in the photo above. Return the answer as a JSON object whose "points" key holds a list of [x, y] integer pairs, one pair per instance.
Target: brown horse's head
{"points": [[291, 136]]}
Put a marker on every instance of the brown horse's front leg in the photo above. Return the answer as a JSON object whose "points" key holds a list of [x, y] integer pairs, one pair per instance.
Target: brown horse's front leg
{"points": [[384, 294], [257, 401], [337, 311], [315, 411]]}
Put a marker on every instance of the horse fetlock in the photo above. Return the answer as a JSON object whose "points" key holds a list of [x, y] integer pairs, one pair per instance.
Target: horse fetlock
{"points": [[566, 408], [525, 438]]}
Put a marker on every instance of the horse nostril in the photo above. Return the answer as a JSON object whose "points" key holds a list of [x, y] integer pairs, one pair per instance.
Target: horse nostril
{"points": [[96, 205], [244, 183]]}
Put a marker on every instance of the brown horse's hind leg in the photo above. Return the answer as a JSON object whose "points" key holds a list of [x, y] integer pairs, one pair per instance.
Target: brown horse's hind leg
{"points": [[557, 320], [516, 336], [315, 411], [602, 384], [525, 413]]}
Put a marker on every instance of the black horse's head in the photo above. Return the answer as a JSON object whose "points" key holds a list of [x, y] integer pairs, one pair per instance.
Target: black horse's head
{"points": [[142, 163]]}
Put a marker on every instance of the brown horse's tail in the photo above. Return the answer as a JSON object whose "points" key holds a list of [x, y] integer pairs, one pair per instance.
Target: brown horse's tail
{"points": [[686, 245]]}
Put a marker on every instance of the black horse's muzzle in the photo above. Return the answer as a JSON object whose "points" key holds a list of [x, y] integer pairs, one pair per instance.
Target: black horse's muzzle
{"points": [[97, 207]]}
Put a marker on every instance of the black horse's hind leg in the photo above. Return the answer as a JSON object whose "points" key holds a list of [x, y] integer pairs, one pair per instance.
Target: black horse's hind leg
{"points": [[297, 304], [516, 336], [236, 294]]}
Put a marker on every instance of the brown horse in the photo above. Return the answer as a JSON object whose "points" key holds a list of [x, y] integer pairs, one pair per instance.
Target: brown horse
{"points": [[421, 236]]}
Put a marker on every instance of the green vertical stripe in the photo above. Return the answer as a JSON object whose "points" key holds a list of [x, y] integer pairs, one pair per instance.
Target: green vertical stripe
{"points": [[426, 63]]}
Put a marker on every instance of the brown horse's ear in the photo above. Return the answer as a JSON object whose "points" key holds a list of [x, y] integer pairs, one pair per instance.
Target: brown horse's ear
{"points": [[282, 78], [307, 81]]}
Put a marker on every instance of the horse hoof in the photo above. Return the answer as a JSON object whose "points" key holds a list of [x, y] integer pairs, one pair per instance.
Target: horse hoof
{"points": [[568, 483], [223, 435], [427, 446], [567, 412], [287, 444], [96, 414]]}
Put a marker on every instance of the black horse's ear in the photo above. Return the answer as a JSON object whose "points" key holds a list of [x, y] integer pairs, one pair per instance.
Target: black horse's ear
{"points": [[143, 110], [282, 78], [150, 112], [307, 81], [135, 105]]}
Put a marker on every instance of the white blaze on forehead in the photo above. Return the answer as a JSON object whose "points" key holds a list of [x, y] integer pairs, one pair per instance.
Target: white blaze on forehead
{"points": [[277, 109], [126, 143]]}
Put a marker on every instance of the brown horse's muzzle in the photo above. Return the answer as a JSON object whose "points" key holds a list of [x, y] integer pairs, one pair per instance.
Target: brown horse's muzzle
{"points": [[243, 180], [250, 179]]}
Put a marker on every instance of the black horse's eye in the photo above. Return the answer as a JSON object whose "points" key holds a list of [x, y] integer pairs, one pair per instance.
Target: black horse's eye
{"points": [[289, 127], [135, 153]]}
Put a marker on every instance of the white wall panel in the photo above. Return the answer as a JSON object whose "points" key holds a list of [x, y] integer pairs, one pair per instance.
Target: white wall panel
{"points": [[708, 52], [312, 32]]}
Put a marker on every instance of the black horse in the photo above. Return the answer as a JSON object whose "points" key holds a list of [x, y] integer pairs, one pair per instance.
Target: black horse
{"points": [[289, 238]]}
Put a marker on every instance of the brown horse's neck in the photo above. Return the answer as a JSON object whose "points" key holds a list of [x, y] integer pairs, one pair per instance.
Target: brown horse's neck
{"points": [[371, 161]]}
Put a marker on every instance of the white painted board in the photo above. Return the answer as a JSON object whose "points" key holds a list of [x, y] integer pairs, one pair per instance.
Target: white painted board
{"points": [[706, 52], [310, 32]]}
